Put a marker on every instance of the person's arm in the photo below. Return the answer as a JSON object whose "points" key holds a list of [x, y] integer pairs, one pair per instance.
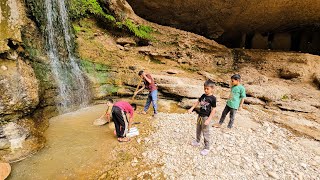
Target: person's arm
{"points": [[241, 103], [213, 111], [141, 89], [149, 79], [194, 105], [130, 120], [107, 117], [243, 96], [108, 114], [130, 123]]}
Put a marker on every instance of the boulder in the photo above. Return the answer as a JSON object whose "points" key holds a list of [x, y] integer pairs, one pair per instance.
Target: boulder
{"points": [[14, 136], [181, 87], [219, 80], [4, 68], [182, 90], [187, 103], [19, 90], [164, 79], [4, 143], [270, 93], [297, 106], [125, 91], [316, 79], [5, 170], [254, 101], [11, 22], [126, 41], [289, 73], [174, 71]]}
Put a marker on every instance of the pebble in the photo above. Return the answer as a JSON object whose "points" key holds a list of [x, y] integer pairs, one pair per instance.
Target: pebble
{"points": [[260, 155], [278, 161], [146, 140], [303, 165], [237, 163], [256, 166], [273, 174], [4, 68]]}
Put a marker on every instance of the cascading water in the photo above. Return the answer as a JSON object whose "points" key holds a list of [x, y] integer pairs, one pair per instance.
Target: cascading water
{"points": [[76, 71], [72, 87]]}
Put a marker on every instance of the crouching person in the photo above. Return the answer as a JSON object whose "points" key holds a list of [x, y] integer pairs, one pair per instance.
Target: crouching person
{"points": [[120, 112]]}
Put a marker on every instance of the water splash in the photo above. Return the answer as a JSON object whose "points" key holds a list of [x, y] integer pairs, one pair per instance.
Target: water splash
{"points": [[72, 87]]}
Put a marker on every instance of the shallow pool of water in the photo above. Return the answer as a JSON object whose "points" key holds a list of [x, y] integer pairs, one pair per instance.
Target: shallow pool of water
{"points": [[75, 149]]}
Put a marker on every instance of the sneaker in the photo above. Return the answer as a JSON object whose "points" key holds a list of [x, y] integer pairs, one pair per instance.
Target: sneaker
{"points": [[195, 143], [204, 152], [216, 125]]}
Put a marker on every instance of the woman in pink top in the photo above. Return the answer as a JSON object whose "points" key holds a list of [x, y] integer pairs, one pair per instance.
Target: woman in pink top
{"points": [[122, 125]]}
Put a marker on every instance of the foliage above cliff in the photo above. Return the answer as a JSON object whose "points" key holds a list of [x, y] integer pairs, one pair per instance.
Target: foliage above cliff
{"points": [[85, 8]]}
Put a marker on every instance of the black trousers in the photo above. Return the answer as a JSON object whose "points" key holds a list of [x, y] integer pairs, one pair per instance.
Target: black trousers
{"points": [[226, 110], [120, 121]]}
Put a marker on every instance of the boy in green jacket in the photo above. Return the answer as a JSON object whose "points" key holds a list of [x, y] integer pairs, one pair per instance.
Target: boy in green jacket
{"points": [[235, 101]]}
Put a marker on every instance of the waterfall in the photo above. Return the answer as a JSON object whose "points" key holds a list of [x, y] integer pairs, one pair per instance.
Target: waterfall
{"points": [[83, 93], [72, 88]]}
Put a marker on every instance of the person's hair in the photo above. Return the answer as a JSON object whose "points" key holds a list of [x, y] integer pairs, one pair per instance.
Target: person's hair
{"points": [[209, 83], [140, 73], [110, 100], [236, 77], [134, 106]]}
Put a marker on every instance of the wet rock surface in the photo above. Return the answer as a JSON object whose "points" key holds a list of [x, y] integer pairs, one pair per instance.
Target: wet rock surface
{"points": [[260, 151], [12, 136], [19, 91], [10, 23]]}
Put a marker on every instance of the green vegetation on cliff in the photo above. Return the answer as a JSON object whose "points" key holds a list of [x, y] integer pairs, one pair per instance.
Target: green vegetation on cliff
{"points": [[84, 8], [140, 31]]}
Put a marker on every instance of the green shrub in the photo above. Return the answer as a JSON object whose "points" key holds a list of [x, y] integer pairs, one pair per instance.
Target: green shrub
{"points": [[140, 31], [82, 8], [76, 28]]}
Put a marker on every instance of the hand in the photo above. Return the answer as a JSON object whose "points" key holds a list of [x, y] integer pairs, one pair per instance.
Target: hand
{"points": [[129, 127], [245, 107], [108, 118], [240, 108], [190, 111], [207, 122]]}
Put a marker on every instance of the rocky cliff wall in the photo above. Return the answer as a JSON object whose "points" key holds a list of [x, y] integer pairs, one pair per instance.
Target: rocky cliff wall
{"points": [[235, 22]]}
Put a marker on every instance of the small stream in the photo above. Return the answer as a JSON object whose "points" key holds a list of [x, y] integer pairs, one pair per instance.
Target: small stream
{"points": [[75, 148]]}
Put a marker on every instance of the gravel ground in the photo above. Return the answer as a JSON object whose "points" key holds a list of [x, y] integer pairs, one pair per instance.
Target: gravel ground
{"points": [[263, 152]]}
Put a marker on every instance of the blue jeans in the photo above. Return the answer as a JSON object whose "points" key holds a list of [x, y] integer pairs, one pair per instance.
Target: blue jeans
{"points": [[152, 97]]}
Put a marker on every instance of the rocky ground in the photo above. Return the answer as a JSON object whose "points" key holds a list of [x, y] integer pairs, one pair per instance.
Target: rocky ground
{"points": [[251, 150]]}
